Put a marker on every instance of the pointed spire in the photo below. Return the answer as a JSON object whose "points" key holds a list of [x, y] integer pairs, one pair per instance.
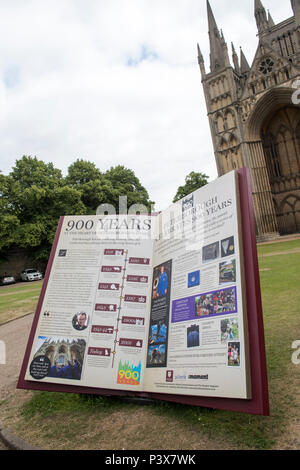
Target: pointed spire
{"points": [[225, 50], [258, 5], [217, 59], [295, 5], [296, 9], [270, 20], [235, 59], [212, 24], [260, 16], [226, 55], [200, 56], [245, 67], [201, 62]]}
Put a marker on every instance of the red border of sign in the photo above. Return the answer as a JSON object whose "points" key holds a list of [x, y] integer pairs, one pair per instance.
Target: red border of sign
{"points": [[259, 403]]}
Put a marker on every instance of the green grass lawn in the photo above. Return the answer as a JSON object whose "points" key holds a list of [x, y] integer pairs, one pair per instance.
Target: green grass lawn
{"points": [[280, 276], [18, 300], [265, 249]]}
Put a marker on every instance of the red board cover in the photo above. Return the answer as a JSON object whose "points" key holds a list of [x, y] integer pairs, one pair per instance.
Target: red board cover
{"points": [[259, 404]]}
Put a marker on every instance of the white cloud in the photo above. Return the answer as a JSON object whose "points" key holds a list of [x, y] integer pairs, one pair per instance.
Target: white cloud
{"points": [[67, 90]]}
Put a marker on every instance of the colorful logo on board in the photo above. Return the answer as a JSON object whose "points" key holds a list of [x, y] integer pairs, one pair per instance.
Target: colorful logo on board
{"points": [[129, 374]]}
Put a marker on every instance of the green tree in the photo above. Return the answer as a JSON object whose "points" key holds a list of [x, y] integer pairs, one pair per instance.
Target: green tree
{"points": [[33, 197], [35, 194], [105, 188], [30, 171], [82, 172], [126, 183], [193, 182], [9, 221], [95, 189]]}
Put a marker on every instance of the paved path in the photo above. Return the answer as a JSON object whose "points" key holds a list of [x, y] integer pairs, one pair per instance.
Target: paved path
{"points": [[14, 335], [2, 446]]}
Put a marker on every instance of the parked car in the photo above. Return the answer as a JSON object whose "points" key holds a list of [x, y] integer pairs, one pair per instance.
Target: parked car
{"points": [[7, 279], [31, 275]]}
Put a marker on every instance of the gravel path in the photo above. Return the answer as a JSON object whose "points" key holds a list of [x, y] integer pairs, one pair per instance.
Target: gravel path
{"points": [[15, 335], [2, 446]]}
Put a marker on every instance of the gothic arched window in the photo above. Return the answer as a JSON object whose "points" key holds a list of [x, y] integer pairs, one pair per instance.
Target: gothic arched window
{"points": [[290, 210], [220, 123], [230, 120], [281, 142]]}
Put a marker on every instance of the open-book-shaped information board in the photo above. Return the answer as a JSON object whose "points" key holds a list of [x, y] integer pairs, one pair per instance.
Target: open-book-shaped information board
{"points": [[164, 306]]}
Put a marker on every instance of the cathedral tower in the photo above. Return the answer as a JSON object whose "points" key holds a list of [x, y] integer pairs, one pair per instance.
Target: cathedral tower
{"points": [[254, 118]]}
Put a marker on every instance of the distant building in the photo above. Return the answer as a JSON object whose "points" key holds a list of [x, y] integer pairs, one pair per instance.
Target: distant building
{"points": [[254, 116]]}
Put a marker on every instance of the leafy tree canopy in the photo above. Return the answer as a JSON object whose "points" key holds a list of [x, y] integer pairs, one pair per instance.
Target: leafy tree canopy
{"points": [[193, 182], [125, 183], [30, 171], [35, 194], [82, 172], [105, 188]]}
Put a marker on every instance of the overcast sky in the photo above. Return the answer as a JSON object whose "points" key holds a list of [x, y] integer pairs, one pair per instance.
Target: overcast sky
{"points": [[115, 82]]}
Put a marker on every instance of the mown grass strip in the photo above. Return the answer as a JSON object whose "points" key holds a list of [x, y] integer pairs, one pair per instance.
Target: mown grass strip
{"points": [[18, 300]]}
